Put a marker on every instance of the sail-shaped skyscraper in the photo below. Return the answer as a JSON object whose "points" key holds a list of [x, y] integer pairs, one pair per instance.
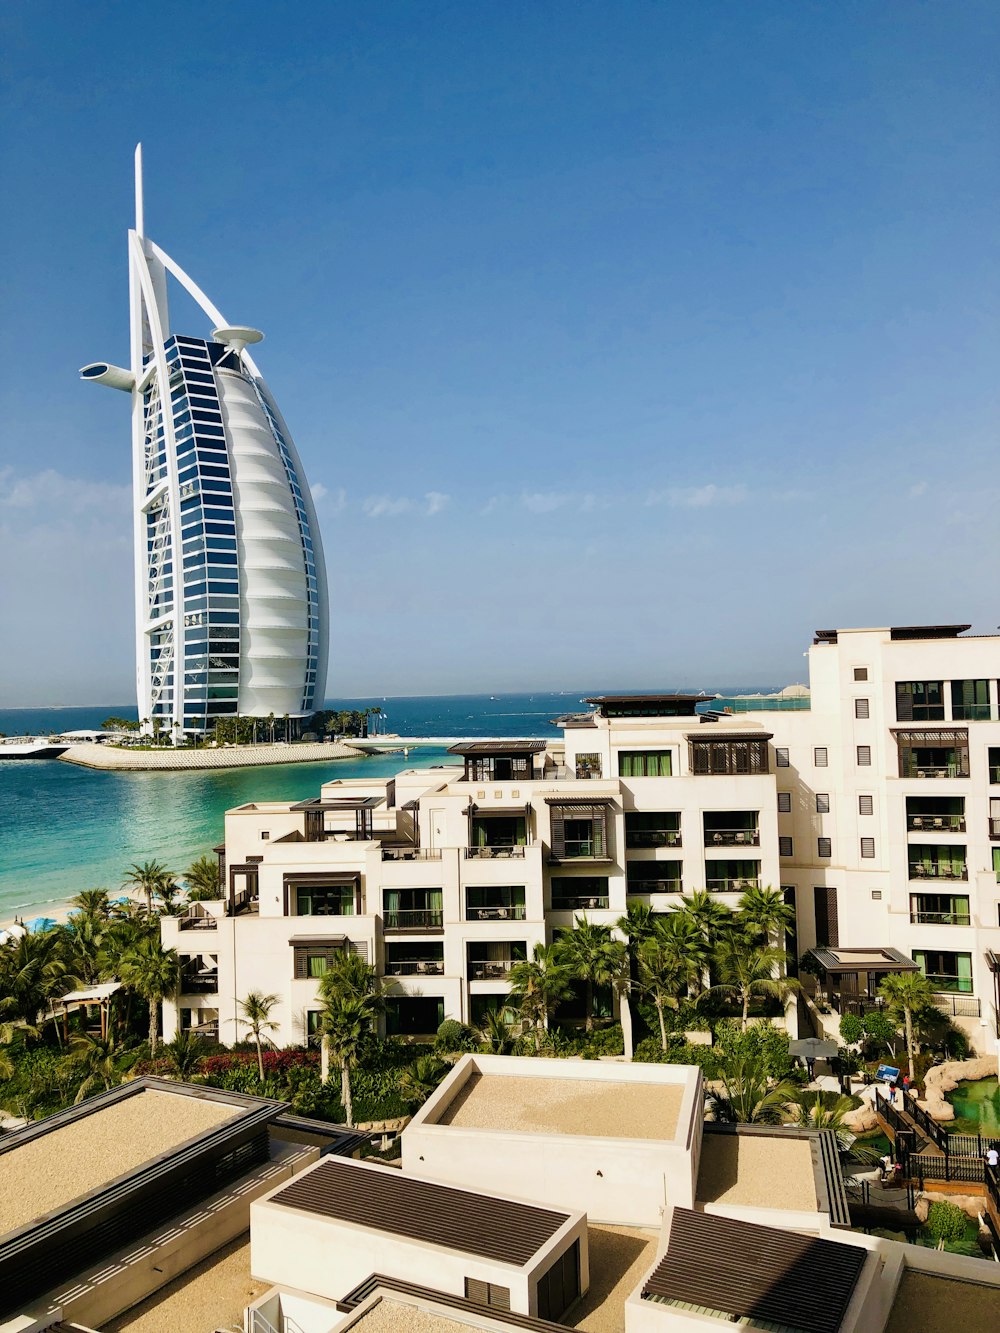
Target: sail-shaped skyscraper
{"points": [[231, 602]]}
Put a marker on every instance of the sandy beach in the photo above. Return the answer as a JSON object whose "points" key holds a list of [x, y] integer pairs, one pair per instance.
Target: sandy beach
{"points": [[88, 754]]}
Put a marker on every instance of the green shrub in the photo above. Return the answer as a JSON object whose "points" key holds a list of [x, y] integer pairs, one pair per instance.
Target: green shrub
{"points": [[946, 1221], [851, 1029], [760, 1044], [453, 1036]]}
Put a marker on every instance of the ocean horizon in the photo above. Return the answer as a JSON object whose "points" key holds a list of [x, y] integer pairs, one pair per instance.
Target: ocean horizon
{"points": [[68, 828]]}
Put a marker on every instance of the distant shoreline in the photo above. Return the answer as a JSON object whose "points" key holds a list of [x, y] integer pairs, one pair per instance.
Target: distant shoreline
{"points": [[110, 758]]}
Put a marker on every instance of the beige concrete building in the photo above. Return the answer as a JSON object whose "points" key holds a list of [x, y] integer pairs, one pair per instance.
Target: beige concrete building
{"points": [[876, 807]]}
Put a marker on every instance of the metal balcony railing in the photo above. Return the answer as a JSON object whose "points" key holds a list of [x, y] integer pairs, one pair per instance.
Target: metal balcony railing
{"points": [[415, 967], [512, 912], [732, 837], [636, 886], [947, 985], [194, 983], [936, 871], [411, 853], [936, 823], [496, 969], [959, 1006], [653, 838], [940, 919], [731, 884], [579, 902], [413, 918], [492, 853]]}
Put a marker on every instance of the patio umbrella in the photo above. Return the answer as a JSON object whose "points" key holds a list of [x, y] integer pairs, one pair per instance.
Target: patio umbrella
{"points": [[39, 923], [812, 1048]]}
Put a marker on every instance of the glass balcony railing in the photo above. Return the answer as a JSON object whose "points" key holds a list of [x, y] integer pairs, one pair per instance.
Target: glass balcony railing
{"points": [[938, 870], [944, 982], [495, 969], [732, 837], [568, 902], [940, 918], [499, 912], [492, 853], [936, 823], [731, 884], [414, 967], [652, 838], [636, 887]]}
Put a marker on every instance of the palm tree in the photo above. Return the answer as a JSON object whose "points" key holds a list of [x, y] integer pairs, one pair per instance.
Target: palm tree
{"points": [[256, 1015], [747, 1097], [496, 1033], [203, 880], [151, 877], [764, 914], [83, 941], [185, 1053], [816, 1110], [351, 992], [418, 1081], [592, 955], [661, 974], [152, 972], [537, 986], [747, 969], [91, 904], [906, 994], [711, 917], [97, 1059], [32, 970]]}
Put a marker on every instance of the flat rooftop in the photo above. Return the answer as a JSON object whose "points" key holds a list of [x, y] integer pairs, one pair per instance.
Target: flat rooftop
{"points": [[757, 1171], [211, 1295], [390, 1316], [383, 1199], [619, 1257], [604, 1109], [45, 1173], [928, 1304]]}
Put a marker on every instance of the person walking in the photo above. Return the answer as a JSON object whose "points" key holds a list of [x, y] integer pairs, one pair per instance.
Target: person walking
{"points": [[992, 1156]]}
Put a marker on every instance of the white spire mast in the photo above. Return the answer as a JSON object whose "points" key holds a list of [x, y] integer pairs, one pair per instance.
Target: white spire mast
{"points": [[139, 223]]}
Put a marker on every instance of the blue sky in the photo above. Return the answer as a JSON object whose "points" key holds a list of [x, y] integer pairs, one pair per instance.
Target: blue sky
{"points": [[621, 342]]}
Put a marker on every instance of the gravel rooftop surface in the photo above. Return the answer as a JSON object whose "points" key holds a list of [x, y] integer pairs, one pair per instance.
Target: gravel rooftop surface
{"points": [[567, 1106], [926, 1304], [211, 1295], [53, 1170], [619, 1258], [759, 1172], [396, 1317]]}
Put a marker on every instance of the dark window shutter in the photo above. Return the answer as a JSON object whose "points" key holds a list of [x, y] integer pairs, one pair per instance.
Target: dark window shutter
{"points": [[784, 802], [861, 708], [477, 1290], [864, 755], [822, 802], [827, 922], [301, 964], [558, 832], [860, 673], [867, 846], [866, 805], [499, 1297], [359, 947]]}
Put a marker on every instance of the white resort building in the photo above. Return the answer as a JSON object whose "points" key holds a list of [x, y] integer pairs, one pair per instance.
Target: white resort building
{"points": [[230, 584], [876, 808]]}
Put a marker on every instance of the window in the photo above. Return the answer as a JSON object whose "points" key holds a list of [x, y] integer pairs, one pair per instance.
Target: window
{"points": [[729, 756], [864, 756], [867, 846], [860, 673], [938, 753], [560, 1286], [866, 805], [824, 847], [994, 764], [784, 802], [313, 960], [413, 1015], [412, 909], [645, 764], [643, 877], [935, 861], [784, 847], [876, 895], [337, 899], [970, 700], [861, 708], [919, 701], [939, 909], [781, 756], [579, 831], [588, 766], [996, 863], [945, 970], [820, 756], [822, 803], [827, 918]]}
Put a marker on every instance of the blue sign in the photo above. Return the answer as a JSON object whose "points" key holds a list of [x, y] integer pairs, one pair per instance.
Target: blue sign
{"points": [[886, 1073]]}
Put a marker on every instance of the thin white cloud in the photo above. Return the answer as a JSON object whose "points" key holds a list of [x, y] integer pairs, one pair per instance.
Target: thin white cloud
{"points": [[319, 491], [436, 501], [920, 488], [546, 502], [59, 494], [386, 506], [698, 497]]}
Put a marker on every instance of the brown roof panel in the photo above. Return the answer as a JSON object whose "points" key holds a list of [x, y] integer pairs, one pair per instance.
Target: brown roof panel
{"points": [[399, 1205], [498, 747], [761, 1273]]}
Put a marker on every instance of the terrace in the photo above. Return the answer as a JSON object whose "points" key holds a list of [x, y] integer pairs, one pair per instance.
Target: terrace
{"points": [[851, 977]]}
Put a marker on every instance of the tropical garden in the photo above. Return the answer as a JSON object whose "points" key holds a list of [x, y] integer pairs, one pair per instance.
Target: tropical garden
{"points": [[697, 985]]}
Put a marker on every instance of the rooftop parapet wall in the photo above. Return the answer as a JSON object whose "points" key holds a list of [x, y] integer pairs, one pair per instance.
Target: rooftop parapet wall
{"points": [[618, 1141]]}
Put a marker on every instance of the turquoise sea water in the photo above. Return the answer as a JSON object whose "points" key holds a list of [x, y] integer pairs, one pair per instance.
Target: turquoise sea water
{"points": [[64, 828]]}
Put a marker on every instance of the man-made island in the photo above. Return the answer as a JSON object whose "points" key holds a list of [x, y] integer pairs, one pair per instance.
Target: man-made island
{"points": [[92, 755]]}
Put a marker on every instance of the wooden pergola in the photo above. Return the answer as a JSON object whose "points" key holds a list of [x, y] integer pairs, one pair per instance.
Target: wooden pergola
{"points": [[84, 999]]}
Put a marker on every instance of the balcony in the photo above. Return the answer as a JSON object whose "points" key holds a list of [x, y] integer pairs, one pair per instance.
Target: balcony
{"points": [[411, 853], [635, 887], [197, 921], [948, 984], [995, 830], [949, 769], [415, 967], [732, 884], [496, 969], [959, 1006], [939, 870], [413, 918], [200, 983], [640, 838], [493, 853], [742, 837], [569, 902], [935, 823], [513, 912], [205, 1031], [940, 918]]}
